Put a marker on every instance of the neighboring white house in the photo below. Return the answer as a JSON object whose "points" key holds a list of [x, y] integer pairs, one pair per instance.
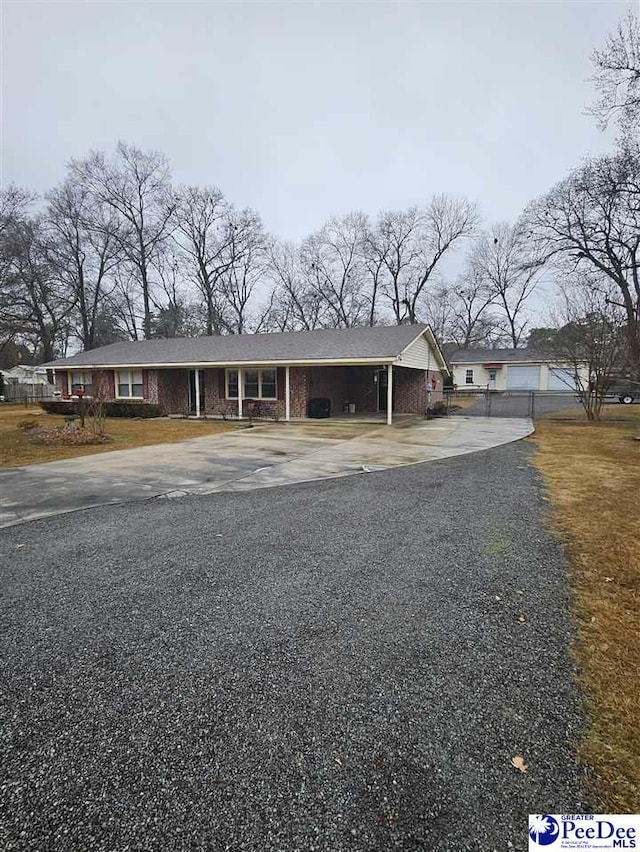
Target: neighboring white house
{"points": [[25, 374], [26, 382], [512, 369]]}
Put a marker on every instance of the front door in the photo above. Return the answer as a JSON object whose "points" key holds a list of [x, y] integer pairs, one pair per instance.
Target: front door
{"points": [[192, 391], [383, 382], [492, 379]]}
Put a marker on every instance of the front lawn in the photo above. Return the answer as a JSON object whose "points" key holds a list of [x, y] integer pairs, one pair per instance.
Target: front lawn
{"points": [[17, 450], [593, 476]]}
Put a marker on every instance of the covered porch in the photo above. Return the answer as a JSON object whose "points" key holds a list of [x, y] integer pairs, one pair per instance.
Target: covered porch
{"points": [[293, 392]]}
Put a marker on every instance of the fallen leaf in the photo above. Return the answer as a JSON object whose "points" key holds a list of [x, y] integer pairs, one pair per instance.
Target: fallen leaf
{"points": [[518, 763], [522, 618], [20, 546], [338, 761], [608, 579], [498, 598], [217, 535], [519, 592]]}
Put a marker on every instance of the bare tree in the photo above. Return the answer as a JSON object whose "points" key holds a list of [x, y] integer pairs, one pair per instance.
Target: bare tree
{"points": [[395, 241], [292, 305], [473, 322], [83, 247], [136, 185], [509, 262], [592, 219], [204, 232], [247, 256], [413, 243], [617, 77], [374, 253], [590, 339], [333, 264], [437, 308]]}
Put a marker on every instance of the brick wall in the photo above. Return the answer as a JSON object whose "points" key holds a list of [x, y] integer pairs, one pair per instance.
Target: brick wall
{"points": [[409, 391], [150, 383], [299, 381], [173, 391], [103, 384]]}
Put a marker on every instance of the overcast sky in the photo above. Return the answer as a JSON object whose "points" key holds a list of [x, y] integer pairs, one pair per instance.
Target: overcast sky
{"points": [[303, 110]]}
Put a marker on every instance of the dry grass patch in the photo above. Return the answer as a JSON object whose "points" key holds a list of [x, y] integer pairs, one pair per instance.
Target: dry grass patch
{"points": [[465, 400], [17, 450], [593, 476]]}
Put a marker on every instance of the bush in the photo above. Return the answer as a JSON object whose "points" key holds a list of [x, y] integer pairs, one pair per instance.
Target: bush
{"points": [[27, 424], [438, 409], [111, 408]]}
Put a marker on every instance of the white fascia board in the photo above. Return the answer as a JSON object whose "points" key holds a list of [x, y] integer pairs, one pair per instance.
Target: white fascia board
{"points": [[204, 365]]}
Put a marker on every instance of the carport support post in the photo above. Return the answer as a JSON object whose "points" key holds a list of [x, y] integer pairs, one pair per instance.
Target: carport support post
{"points": [[197, 390], [240, 392], [389, 394], [287, 395]]}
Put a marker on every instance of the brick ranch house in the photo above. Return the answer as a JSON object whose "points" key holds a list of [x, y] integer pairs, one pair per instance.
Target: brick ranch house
{"points": [[359, 370]]}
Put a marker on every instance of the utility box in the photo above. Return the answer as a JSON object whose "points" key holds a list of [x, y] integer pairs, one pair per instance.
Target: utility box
{"points": [[319, 407]]}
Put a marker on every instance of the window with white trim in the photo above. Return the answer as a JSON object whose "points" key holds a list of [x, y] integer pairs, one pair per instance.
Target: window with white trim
{"points": [[80, 380], [258, 384], [129, 384], [468, 378]]}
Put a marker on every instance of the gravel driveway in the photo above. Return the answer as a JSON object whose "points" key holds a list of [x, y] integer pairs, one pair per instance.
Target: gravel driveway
{"points": [[328, 666]]}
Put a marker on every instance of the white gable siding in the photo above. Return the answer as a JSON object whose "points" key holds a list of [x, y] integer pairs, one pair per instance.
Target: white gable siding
{"points": [[419, 355]]}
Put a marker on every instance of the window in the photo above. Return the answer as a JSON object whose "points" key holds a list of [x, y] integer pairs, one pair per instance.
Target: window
{"points": [[468, 378], [79, 380], [258, 384], [232, 384], [129, 383]]}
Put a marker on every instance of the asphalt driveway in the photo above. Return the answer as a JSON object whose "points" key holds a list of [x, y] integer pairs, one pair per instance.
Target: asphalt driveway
{"points": [[343, 665]]}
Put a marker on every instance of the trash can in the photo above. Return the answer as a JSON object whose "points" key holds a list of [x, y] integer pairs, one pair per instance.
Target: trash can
{"points": [[319, 407]]}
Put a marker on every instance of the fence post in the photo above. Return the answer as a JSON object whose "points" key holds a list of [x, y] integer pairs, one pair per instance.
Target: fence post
{"points": [[487, 403]]}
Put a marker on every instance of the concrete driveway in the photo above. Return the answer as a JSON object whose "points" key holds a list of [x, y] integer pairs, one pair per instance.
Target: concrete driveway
{"points": [[258, 457]]}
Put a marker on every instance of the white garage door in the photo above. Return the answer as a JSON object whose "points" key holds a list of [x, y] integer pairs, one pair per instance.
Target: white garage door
{"points": [[561, 380], [523, 378]]}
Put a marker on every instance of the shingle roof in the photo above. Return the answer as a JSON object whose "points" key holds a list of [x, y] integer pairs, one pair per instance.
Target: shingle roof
{"points": [[494, 356], [384, 342]]}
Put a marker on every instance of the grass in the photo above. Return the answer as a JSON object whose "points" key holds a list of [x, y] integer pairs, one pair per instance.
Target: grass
{"points": [[16, 450], [593, 476]]}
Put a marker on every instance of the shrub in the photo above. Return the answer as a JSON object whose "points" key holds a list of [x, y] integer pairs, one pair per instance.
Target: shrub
{"points": [[27, 424], [111, 409], [438, 409]]}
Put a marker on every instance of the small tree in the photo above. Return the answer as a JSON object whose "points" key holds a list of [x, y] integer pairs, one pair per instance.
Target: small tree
{"points": [[590, 342], [97, 414]]}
